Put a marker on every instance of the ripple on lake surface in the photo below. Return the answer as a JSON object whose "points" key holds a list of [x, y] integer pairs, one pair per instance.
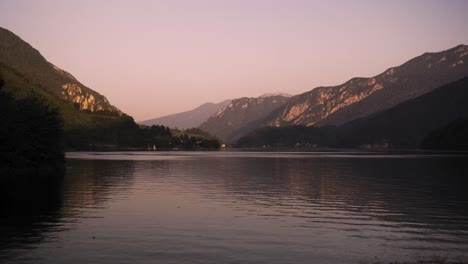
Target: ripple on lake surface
{"points": [[243, 207]]}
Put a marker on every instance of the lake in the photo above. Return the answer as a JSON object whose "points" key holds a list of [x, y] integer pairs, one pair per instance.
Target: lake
{"points": [[242, 207]]}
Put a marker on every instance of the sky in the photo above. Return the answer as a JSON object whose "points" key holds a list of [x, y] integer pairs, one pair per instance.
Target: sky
{"points": [[152, 58]]}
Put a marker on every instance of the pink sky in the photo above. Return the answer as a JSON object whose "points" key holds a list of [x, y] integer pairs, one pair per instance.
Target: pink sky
{"points": [[153, 58]]}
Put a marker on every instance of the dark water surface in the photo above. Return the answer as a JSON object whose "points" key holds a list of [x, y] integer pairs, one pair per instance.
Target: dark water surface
{"points": [[241, 207]]}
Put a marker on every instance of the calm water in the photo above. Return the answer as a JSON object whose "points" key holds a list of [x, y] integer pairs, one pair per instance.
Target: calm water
{"points": [[241, 207]]}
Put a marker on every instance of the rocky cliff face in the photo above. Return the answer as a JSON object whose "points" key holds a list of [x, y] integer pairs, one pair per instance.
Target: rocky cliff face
{"points": [[336, 105], [21, 57], [361, 97], [241, 116]]}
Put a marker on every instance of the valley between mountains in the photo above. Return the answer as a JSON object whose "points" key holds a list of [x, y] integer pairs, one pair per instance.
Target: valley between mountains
{"points": [[403, 107]]}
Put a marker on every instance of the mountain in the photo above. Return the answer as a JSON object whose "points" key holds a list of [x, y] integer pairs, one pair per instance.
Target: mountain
{"points": [[453, 136], [361, 97], [41, 101], [275, 94], [188, 119], [30, 136], [405, 125], [88, 118], [21, 58], [357, 98], [241, 116]]}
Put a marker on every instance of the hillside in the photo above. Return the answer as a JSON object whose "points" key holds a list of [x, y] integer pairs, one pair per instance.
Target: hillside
{"points": [[403, 126], [90, 122], [241, 116], [188, 119], [357, 98], [83, 129], [88, 118], [31, 139], [360, 97], [276, 94], [22, 58], [453, 136]]}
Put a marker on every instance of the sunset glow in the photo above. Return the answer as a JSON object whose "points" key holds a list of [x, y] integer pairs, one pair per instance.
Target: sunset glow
{"points": [[152, 58]]}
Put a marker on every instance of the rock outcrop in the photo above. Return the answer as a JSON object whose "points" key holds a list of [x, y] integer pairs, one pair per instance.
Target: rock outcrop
{"points": [[360, 97], [22, 58]]}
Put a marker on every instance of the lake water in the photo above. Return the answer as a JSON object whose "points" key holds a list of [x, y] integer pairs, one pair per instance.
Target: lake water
{"points": [[242, 207]]}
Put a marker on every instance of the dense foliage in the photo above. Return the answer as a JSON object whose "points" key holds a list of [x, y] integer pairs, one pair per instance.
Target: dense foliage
{"points": [[22, 58], [403, 126], [100, 130], [454, 136], [337, 105], [30, 136], [291, 136], [195, 138], [126, 134]]}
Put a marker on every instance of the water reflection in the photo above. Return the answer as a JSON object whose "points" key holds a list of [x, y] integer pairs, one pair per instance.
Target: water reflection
{"points": [[243, 207], [27, 213], [90, 183]]}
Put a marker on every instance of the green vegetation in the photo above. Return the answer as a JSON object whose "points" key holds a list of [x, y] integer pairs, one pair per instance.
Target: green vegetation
{"points": [[292, 136], [341, 104], [101, 130], [454, 136], [195, 138], [31, 137], [21, 87], [82, 129], [403, 126], [128, 135], [21, 57]]}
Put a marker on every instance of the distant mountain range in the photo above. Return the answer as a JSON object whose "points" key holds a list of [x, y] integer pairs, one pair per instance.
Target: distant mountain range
{"points": [[424, 94], [188, 119], [357, 98], [432, 120], [276, 94], [65, 106], [241, 116], [197, 116]]}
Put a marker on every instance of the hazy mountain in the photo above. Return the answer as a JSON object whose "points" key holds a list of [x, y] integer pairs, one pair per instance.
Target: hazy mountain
{"points": [[21, 58], [402, 126], [360, 97], [241, 116], [276, 94], [188, 119]]}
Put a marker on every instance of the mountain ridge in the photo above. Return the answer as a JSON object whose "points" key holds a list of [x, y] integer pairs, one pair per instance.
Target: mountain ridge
{"points": [[405, 125], [188, 119], [241, 115], [359, 96], [20, 56], [276, 94], [423, 72]]}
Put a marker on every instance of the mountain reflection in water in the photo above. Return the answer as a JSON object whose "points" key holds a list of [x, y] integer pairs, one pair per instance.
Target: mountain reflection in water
{"points": [[233, 207]]}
